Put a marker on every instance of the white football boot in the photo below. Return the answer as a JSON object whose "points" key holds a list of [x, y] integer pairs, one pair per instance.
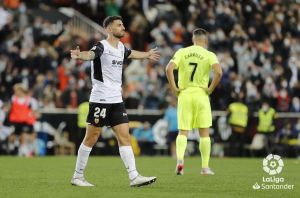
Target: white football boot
{"points": [[142, 181], [80, 182], [207, 171]]}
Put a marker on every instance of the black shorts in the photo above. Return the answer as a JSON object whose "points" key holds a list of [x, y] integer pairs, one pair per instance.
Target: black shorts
{"points": [[22, 128], [171, 136], [101, 114]]}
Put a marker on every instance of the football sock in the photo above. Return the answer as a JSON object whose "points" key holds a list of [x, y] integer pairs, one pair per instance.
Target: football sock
{"points": [[82, 159], [127, 156], [181, 142], [204, 148]]}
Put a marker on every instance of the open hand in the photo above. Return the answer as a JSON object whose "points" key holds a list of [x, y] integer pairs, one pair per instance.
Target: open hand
{"points": [[154, 54], [75, 53]]}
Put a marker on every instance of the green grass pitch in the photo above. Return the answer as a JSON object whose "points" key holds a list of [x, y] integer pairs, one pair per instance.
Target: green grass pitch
{"points": [[50, 177]]}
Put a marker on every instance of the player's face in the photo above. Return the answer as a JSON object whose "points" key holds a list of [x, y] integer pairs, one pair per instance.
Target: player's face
{"points": [[117, 29]]}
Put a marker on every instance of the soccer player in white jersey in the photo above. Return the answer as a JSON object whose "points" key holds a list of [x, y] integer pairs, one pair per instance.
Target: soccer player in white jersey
{"points": [[106, 106]]}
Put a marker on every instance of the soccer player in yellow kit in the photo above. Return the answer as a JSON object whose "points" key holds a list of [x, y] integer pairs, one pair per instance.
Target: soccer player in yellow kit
{"points": [[194, 64]]}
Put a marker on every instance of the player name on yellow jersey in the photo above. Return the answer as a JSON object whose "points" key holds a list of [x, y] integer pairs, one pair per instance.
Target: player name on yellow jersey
{"points": [[194, 55]]}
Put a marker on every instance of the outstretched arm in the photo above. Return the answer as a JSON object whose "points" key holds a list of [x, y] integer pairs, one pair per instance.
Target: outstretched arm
{"points": [[84, 55], [152, 54]]}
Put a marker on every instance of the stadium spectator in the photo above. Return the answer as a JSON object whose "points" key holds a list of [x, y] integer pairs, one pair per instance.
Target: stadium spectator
{"points": [[251, 53], [287, 140], [5, 18], [297, 139], [12, 4], [111, 8], [63, 145], [152, 100], [5, 131], [82, 113], [295, 106], [258, 41], [171, 117], [238, 120], [72, 96], [266, 127], [144, 136], [22, 116]]}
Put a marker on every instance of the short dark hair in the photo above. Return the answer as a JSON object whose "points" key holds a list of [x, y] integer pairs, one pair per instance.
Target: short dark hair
{"points": [[110, 19], [200, 32]]}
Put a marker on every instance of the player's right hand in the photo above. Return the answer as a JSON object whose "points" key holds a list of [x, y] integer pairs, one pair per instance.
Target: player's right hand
{"points": [[176, 90], [154, 54], [75, 53]]}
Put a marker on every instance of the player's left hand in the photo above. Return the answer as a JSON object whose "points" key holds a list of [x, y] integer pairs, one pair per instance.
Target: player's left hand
{"points": [[154, 54], [207, 90]]}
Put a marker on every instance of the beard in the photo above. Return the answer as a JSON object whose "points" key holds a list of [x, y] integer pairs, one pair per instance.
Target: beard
{"points": [[119, 35]]}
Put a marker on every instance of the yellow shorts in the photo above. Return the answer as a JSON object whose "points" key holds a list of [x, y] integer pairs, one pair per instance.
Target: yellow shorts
{"points": [[194, 109]]}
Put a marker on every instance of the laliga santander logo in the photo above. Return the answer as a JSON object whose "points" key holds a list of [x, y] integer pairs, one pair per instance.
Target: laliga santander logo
{"points": [[273, 164]]}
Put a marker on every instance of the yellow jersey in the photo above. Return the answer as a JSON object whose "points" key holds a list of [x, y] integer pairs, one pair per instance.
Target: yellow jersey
{"points": [[239, 114], [194, 66]]}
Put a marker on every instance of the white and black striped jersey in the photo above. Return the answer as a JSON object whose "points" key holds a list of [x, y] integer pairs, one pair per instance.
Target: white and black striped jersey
{"points": [[106, 72]]}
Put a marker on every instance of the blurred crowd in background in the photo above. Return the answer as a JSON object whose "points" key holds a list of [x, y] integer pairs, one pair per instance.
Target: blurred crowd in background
{"points": [[257, 44]]}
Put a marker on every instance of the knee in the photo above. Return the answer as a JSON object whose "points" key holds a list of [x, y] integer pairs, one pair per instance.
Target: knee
{"points": [[124, 140], [90, 139]]}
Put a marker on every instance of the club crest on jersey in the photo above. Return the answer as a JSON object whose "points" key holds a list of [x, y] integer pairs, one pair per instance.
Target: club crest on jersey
{"points": [[96, 120]]}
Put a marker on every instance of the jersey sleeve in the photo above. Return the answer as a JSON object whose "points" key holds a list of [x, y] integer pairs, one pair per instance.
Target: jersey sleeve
{"points": [[127, 52], [98, 49], [176, 59], [213, 59]]}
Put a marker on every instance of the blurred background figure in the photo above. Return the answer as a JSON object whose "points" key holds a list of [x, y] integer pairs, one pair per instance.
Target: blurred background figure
{"points": [[266, 126], [22, 116], [238, 120], [287, 140], [63, 145], [171, 117], [83, 110], [5, 131], [144, 137], [259, 56]]}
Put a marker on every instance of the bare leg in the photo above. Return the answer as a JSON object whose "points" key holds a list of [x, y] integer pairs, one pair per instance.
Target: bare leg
{"points": [[91, 136], [204, 132], [122, 134], [173, 149]]}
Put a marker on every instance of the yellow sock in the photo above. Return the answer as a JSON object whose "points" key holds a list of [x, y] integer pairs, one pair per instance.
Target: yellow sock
{"points": [[181, 142], [204, 148]]}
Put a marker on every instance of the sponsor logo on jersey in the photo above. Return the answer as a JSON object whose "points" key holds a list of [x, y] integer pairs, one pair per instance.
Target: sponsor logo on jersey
{"points": [[116, 63]]}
